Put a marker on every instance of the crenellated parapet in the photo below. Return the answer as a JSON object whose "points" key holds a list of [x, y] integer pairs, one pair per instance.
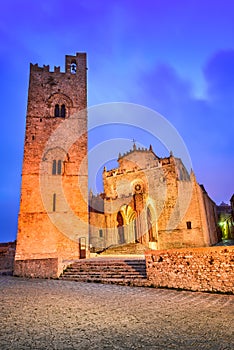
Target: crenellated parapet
{"points": [[73, 64], [36, 68]]}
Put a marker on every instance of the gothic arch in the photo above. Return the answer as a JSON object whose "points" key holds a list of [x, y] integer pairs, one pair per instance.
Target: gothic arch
{"points": [[59, 105], [53, 161], [120, 226], [126, 219], [55, 152]]}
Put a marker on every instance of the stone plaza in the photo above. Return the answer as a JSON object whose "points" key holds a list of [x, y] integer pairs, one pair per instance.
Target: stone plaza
{"points": [[55, 314]]}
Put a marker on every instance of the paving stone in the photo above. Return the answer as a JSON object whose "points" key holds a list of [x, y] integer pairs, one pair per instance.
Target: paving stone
{"points": [[55, 314]]}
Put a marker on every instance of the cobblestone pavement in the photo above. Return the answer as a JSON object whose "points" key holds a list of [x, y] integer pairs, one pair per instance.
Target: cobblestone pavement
{"points": [[52, 314]]}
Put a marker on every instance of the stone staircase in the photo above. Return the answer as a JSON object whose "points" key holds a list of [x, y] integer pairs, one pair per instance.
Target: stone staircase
{"points": [[123, 271], [126, 249]]}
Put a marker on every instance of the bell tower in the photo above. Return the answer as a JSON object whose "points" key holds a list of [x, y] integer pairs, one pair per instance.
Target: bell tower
{"points": [[53, 216]]}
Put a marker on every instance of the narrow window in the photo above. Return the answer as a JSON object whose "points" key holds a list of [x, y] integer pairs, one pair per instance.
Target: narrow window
{"points": [[189, 225], [56, 110], [59, 169], [33, 137], [100, 233], [63, 111], [54, 167], [54, 202], [73, 67]]}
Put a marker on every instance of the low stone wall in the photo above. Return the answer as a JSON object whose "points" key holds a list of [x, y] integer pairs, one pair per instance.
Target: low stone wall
{"points": [[198, 269], [7, 255], [40, 268]]}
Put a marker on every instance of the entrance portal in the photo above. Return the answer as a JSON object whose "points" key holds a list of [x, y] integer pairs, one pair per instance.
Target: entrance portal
{"points": [[120, 228]]}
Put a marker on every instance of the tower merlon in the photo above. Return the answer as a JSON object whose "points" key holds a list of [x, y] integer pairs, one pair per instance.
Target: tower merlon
{"points": [[73, 63]]}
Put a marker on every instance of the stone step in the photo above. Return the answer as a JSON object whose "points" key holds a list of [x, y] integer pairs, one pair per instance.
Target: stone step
{"points": [[120, 281], [69, 276], [130, 248], [105, 275], [110, 260], [122, 274], [105, 269]]}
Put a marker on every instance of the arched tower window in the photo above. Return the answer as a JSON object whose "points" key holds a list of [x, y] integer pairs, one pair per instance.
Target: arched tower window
{"points": [[63, 111], [60, 111], [56, 167], [59, 105], [59, 168], [73, 67], [56, 110]]}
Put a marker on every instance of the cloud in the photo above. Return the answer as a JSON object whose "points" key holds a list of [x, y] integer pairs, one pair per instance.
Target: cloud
{"points": [[206, 124], [219, 73]]}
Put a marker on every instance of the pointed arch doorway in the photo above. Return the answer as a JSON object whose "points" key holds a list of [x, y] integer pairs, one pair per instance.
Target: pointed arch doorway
{"points": [[120, 226], [126, 219]]}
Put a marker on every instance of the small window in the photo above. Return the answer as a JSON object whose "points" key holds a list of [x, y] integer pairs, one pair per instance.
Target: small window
{"points": [[54, 167], [59, 168], [63, 111], [54, 202], [100, 233], [33, 137], [73, 67], [189, 225], [60, 111], [56, 110]]}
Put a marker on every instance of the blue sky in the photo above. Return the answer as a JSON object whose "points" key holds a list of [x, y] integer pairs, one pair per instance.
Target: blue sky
{"points": [[174, 56]]}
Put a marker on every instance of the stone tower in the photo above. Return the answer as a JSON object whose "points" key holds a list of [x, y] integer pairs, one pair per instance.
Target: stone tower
{"points": [[53, 217]]}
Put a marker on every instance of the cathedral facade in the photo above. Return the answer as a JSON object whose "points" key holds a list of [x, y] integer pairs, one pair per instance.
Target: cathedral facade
{"points": [[153, 201], [147, 199]]}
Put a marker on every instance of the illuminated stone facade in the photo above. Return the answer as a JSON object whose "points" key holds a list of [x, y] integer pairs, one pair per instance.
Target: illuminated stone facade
{"points": [[147, 199], [52, 169], [153, 201]]}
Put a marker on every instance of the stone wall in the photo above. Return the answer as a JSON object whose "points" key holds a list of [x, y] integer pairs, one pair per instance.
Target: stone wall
{"points": [[7, 255], [41, 268], [208, 269]]}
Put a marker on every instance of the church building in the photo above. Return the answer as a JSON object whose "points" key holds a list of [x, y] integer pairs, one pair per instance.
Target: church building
{"points": [[147, 199], [152, 201]]}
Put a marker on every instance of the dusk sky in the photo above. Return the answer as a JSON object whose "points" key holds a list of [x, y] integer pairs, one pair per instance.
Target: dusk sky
{"points": [[173, 56]]}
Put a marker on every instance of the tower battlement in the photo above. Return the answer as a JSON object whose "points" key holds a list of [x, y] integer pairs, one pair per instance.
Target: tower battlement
{"points": [[73, 63]]}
